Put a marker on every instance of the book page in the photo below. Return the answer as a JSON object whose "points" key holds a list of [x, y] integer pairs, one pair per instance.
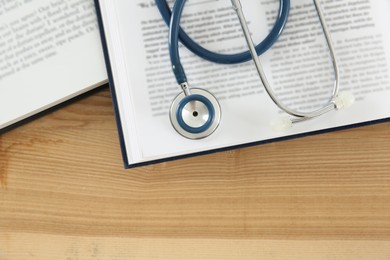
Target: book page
{"points": [[50, 51], [298, 67]]}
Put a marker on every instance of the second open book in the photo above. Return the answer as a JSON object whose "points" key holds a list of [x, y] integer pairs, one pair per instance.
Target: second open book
{"points": [[50, 52], [298, 67]]}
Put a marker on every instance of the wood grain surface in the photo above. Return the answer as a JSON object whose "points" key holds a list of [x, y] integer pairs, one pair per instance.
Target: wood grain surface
{"points": [[65, 195]]}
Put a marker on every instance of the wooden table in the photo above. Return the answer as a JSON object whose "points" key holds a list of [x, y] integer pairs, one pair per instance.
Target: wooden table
{"points": [[65, 195]]}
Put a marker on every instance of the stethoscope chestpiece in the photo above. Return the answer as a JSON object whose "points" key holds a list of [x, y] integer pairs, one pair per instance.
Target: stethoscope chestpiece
{"points": [[196, 115]]}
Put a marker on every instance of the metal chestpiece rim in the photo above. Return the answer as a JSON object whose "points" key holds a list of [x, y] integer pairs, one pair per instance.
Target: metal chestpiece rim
{"points": [[195, 116]]}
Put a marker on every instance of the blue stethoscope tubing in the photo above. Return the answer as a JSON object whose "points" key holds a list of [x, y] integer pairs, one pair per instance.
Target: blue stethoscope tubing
{"points": [[176, 33], [195, 113]]}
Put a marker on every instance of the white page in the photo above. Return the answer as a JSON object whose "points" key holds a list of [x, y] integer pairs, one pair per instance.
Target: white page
{"points": [[298, 68], [50, 51]]}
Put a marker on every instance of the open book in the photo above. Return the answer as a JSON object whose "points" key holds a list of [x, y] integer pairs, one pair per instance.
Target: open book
{"points": [[298, 67], [50, 52]]}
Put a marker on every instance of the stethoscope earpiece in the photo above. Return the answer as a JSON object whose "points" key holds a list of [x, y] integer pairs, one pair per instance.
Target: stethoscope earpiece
{"points": [[196, 115], [344, 99]]}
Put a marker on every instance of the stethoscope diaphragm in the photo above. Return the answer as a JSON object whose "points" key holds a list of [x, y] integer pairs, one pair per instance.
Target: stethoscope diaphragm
{"points": [[196, 115]]}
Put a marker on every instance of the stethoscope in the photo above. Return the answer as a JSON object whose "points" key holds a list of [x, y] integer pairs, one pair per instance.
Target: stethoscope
{"points": [[195, 113]]}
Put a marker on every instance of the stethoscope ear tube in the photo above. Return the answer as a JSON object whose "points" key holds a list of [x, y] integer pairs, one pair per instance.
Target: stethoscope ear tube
{"points": [[335, 102]]}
